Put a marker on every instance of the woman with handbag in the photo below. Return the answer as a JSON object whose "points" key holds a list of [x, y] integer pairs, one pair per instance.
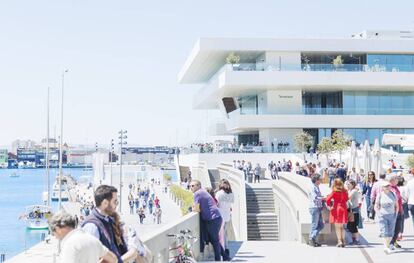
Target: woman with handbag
{"points": [[337, 204], [353, 211]]}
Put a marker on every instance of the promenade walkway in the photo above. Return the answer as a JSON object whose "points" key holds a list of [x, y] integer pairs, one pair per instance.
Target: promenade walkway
{"points": [[48, 252]]}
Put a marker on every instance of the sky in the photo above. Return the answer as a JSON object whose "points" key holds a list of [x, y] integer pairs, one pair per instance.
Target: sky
{"points": [[123, 58]]}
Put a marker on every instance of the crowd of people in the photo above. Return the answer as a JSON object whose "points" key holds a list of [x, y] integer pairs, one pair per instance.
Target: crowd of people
{"points": [[143, 201], [388, 200], [101, 237]]}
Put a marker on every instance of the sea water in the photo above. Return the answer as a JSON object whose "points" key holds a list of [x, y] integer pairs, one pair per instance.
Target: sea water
{"points": [[15, 194]]}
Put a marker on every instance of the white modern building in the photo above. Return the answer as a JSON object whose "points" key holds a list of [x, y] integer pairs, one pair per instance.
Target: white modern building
{"points": [[363, 84]]}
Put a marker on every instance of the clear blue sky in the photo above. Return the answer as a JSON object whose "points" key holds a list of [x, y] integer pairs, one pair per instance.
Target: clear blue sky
{"points": [[124, 57]]}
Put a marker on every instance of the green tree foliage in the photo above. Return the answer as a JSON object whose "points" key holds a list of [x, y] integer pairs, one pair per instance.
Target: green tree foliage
{"points": [[340, 141], [232, 58], [326, 146], [167, 177], [410, 161], [303, 141]]}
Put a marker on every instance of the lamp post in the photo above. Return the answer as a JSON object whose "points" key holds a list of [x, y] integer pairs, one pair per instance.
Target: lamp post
{"points": [[61, 142], [122, 137], [111, 151]]}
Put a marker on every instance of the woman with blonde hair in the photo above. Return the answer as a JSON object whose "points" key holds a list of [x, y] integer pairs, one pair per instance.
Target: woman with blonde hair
{"points": [[337, 204]]}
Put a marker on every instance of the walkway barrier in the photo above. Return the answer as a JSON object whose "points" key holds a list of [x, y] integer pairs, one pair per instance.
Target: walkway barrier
{"points": [[292, 207], [239, 212], [200, 172], [159, 243]]}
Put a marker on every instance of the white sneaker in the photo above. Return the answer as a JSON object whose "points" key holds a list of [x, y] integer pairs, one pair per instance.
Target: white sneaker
{"points": [[387, 251]]}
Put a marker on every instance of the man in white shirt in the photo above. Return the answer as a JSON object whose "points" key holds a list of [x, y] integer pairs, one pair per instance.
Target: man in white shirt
{"points": [[410, 194], [78, 246]]}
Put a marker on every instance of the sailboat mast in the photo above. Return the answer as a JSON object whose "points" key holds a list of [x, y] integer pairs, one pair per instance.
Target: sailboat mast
{"points": [[47, 151]]}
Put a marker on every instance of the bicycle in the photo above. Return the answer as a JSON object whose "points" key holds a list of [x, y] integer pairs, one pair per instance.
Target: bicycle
{"points": [[184, 243]]}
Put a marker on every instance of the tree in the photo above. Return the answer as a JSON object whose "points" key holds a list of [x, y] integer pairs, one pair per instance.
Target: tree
{"points": [[303, 141], [340, 141], [326, 147], [232, 58], [410, 161]]}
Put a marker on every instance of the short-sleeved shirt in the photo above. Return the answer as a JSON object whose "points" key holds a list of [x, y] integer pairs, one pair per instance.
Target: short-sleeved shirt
{"points": [[386, 202], [208, 207], [80, 247]]}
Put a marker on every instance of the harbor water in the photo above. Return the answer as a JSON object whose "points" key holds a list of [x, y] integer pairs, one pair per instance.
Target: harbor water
{"points": [[15, 194]]}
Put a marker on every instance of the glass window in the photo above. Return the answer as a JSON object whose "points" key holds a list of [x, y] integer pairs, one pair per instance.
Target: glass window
{"points": [[248, 104]]}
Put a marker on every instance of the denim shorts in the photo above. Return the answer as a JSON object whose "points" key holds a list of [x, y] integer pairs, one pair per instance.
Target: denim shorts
{"points": [[387, 224]]}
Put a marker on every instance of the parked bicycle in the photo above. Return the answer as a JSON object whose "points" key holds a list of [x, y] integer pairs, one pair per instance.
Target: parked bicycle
{"points": [[184, 242]]}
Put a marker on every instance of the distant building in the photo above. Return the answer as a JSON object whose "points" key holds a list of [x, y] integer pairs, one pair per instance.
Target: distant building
{"points": [[157, 154], [22, 144], [80, 156], [3, 158]]}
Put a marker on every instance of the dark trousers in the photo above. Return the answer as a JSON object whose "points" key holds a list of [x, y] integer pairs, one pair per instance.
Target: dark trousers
{"points": [[398, 227], [257, 178], [213, 229]]}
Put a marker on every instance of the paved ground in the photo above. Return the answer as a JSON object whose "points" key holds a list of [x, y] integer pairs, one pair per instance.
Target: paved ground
{"points": [[170, 212], [372, 251]]}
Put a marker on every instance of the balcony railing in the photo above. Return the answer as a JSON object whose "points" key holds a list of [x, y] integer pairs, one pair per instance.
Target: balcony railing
{"points": [[322, 67], [326, 111]]}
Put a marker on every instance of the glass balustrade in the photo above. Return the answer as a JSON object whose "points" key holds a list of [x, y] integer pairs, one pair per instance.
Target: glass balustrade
{"points": [[323, 67], [329, 111]]}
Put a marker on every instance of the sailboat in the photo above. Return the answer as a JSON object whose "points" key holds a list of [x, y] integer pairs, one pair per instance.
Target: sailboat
{"points": [[37, 215]]}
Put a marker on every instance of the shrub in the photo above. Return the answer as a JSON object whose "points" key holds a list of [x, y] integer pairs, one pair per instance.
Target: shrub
{"points": [[167, 177], [186, 197], [410, 161]]}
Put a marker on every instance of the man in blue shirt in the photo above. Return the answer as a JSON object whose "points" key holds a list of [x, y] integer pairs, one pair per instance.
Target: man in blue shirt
{"points": [[315, 209]]}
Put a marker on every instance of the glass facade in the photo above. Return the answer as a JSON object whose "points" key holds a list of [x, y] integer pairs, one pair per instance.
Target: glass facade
{"points": [[321, 102], [378, 102], [248, 105], [391, 62], [359, 103]]}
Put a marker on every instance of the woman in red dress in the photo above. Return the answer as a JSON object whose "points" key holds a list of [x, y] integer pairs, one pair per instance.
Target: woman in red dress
{"points": [[336, 203]]}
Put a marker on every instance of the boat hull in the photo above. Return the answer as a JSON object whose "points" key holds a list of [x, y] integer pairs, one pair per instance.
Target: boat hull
{"points": [[37, 224]]}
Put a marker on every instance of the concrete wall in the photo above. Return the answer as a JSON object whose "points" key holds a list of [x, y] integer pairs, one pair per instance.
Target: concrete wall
{"points": [[213, 160], [292, 206], [284, 101], [159, 244]]}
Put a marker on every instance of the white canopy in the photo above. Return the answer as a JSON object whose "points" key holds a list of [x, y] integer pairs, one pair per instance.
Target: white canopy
{"points": [[366, 157], [353, 158], [376, 164]]}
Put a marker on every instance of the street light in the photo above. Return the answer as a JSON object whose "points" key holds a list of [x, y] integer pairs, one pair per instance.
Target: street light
{"points": [[111, 151], [61, 142], [122, 137]]}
